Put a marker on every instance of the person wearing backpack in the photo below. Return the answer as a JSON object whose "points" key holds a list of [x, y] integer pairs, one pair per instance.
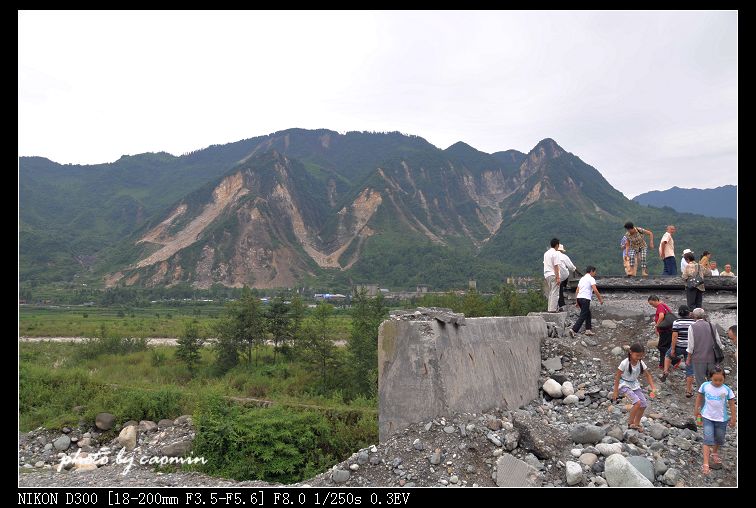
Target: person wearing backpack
{"points": [[693, 275]]}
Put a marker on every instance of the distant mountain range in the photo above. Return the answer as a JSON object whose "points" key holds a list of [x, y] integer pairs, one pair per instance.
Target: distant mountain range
{"points": [[328, 210], [717, 202]]}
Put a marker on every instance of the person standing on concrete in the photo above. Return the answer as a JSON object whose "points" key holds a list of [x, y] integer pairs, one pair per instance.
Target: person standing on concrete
{"points": [[551, 274], [583, 295], [667, 252], [684, 261], [637, 247], [701, 337], [565, 269], [693, 270]]}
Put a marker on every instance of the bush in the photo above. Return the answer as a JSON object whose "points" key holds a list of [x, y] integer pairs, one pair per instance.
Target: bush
{"points": [[92, 348], [276, 444]]}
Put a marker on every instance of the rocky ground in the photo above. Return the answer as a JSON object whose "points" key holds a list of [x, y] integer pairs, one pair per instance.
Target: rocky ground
{"points": [[571, 435]]}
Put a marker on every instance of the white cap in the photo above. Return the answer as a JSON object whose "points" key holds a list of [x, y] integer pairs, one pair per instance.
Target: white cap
{"points": [[686, 251], [560, 247]]}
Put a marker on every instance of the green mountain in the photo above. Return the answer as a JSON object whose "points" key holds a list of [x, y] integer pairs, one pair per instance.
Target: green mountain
{"points": [[718, 202], [330, 210]]}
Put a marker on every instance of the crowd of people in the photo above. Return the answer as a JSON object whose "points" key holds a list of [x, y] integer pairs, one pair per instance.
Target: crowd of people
{"points": [[687, 339]]}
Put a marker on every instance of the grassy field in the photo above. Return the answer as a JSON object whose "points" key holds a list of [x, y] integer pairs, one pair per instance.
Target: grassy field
{"points": [[155, 321]]}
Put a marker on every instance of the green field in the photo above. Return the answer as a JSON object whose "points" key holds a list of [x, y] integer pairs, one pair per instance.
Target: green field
{"points": [[154, 321]]}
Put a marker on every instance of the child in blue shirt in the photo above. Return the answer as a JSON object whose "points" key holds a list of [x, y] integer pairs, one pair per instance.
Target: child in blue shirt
{"points": [[712, 408]]}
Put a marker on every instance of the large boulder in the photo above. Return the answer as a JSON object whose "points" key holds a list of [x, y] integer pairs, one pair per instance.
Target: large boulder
{"points": [[587, 434], [545, 441], [620, 473], [104, 421]]}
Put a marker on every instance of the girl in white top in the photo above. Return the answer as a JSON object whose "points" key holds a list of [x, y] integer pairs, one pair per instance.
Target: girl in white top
{"points": [[626, 383]]}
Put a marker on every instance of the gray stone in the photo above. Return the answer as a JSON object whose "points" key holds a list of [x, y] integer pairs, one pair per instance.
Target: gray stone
{"points": [[363, 457], [545, 441], [435, 457], [340, 475], [183, 420], [588, 459], [643, 465], [147, 426], [428, 368], [554, 363], [553, 388], [511, 440], [658, 431], [130, 423], [165, 423], [672, 476], [574, 473], [354, 467], [567, 389], [512, 472], [608, 323], [62, 443], [615, 431], [104, 421], [533, 461], [571, 399], [375, 459], [494, 424], [417, 445], [128, 437], [587, 434], [178, 449], [617, 351], [493, 438], [607, 449], [660, 467], [449, 429], [620, 473]]}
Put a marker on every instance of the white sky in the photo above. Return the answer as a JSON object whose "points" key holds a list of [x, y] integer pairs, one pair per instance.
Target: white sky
{"points": [[649, 99]]}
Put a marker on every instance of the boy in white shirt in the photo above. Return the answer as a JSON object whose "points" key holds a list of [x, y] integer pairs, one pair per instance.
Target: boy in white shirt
{"points": [[584, 293]]}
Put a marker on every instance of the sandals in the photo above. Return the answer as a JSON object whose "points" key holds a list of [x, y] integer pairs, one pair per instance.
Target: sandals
{"points": [[706, 469], [715, 458], [688, 394]]}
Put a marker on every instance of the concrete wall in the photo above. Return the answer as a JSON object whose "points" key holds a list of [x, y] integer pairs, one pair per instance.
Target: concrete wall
{"points": [[429, 368]]}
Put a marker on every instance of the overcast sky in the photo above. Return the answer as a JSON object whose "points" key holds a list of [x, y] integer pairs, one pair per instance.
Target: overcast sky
{"points": [[649, 99]]}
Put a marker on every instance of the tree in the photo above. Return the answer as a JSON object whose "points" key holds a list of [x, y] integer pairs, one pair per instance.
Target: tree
{"points": [[242, 326], [189, 347], [367, 315], [317, 341], [278, 322]]}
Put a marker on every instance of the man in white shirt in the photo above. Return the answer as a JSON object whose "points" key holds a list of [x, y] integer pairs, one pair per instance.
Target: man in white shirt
{"points": [[551, 274], [584, 293], [667, 252], [713, 266]]}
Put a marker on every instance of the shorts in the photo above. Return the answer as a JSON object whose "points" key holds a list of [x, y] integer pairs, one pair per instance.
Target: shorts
{"points": [[714, 432], [635, 396], [681, 351]]}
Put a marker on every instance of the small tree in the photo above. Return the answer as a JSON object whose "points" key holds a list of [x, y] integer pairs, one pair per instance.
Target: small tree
{"points": [[317, 341], [278, 323], [189, 347]]}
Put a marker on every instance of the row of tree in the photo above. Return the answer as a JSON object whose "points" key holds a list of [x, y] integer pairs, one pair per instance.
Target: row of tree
{"points": [[246, 327]]}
